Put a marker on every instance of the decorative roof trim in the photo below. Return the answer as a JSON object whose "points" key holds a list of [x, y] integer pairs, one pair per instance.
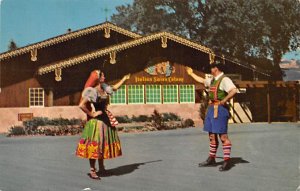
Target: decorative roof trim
{"points": [[120, 47], [132, 43], [66, 37]]}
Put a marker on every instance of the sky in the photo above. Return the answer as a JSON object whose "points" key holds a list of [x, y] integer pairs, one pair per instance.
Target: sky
{"points": [[31, 21]]}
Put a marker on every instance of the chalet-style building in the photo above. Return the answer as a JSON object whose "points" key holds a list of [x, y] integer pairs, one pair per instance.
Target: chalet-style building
{"points": [[51, 74]]}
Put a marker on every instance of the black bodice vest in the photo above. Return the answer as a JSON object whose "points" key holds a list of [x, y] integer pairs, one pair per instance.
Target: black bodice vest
{"points": [[101, 105]]}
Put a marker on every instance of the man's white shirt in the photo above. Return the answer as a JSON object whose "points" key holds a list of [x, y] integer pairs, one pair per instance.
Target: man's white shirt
{"points": [[225, 85]]}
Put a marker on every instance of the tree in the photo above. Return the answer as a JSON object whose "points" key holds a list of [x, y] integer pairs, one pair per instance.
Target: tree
{"points": [[236, 28], [12, 45], [260, 29], [144, 16]]}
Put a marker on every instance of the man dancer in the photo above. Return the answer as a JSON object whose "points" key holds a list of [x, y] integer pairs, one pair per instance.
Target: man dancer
{"points": [[221, 90]]}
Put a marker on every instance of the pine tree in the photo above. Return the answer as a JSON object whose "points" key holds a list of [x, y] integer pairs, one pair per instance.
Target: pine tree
{"points": [[12, 45]]}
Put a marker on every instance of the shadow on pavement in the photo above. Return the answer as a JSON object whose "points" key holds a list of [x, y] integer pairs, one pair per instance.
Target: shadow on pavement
{"points": [[126, 169], [233, 161]]}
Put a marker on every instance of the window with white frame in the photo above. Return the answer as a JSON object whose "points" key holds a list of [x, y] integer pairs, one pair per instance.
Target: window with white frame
{"points": [[36, 97], [119, 96]]}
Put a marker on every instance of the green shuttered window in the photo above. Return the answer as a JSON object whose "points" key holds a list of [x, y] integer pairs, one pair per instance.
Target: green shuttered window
{"points": [[135, 94], [170, 93], [119, 96], [153, 94], [187, 93]]}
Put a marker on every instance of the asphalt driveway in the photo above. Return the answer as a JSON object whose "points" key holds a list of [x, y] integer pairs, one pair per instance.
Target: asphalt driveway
{"points": [[265, 157]]}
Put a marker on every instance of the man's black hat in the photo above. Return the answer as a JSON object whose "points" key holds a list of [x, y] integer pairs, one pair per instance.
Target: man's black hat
{"points": [[218, 64]]}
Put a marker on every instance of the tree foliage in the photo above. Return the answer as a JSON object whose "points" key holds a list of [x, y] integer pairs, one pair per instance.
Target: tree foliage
{"points": [[237, 28], [177, 16], [259, 29]]}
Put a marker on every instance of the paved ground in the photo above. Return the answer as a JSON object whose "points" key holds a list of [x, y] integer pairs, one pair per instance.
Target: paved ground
{"points": [[266, 157]]}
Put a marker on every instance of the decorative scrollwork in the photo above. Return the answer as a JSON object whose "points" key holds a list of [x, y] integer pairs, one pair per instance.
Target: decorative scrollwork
{"points": [[107, 32], [33, 54], [211, 57], [68, 36], [112, 57], [58, 72], [163, 36], [164, 42]]}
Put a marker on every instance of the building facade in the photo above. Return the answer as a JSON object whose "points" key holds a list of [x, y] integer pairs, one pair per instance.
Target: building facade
{"points": [[52, 73]]}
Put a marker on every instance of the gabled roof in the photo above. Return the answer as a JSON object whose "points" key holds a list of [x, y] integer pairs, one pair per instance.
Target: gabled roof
{"points": [[120, 47], [66, 37], [133, 43]]}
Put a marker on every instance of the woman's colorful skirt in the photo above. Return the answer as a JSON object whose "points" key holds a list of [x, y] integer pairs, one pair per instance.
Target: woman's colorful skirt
{"points": [[99, 141]]}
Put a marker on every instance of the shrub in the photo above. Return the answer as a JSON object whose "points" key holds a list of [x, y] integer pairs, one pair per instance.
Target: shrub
{"points": [[203, 105], [170, 117], [141, 118], [16, 130], [74, 121], [75, 130], [123, 119], [132, 129], [52, 130], [32, 125], [173, 125], [35, 126], [59, 122], [157, 120], [188, 123]]}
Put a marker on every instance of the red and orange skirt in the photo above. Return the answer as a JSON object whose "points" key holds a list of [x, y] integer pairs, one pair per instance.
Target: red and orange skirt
{"points": [[99, 141]]}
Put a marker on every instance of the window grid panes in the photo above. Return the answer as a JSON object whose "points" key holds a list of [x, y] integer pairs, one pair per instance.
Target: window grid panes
{"points": [[119, 96], [170, 93], [153, 94], [187, 93], [135, 94], [36, 97]]}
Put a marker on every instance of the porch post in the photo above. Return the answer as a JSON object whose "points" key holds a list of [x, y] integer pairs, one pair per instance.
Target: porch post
{"points": [[268, 102], [50, 98]]}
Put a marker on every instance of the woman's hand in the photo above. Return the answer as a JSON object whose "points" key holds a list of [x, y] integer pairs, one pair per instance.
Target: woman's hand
{"points": [[121, 82], [97, 113], [126, 77], [189, 70]]}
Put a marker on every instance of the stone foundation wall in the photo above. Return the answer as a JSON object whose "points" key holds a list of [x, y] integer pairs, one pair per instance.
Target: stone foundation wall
{"points": [[9, 116]]}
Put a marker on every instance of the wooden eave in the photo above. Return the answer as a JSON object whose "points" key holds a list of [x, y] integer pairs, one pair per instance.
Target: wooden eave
{"points": [[133, 43], [120, 47], [66, 37], [264, 84]]}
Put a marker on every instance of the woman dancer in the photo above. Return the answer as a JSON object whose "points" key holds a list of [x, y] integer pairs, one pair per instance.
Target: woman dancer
{"points": [[99, 139]]}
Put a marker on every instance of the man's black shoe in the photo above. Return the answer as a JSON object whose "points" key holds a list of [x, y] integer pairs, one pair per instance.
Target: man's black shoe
{"points": [[225, 166], [209, 162]]}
